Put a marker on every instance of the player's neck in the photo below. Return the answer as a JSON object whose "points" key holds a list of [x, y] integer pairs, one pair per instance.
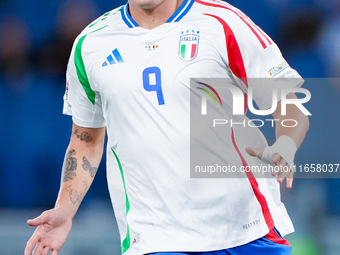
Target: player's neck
{"points": [[149, 14]]}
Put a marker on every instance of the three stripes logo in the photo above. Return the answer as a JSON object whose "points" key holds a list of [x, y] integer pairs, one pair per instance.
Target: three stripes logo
{"points": [[113, 58], [204, 98]]}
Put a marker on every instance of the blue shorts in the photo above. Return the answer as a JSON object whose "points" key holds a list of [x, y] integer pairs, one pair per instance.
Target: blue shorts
{"points": [[271, 244]]}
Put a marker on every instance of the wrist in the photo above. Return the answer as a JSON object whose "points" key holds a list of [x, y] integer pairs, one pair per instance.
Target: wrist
{"points": [[65, 204], [284, 146], [66, 210]]}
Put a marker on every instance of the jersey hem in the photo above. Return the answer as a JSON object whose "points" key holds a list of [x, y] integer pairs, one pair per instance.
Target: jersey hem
{"points": [[192, 247]]}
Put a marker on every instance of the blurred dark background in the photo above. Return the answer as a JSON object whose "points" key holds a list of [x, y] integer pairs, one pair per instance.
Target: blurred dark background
{"points": [[35, 42]]}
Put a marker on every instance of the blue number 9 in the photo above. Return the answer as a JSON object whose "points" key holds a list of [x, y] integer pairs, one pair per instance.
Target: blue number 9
{"points": [[152, 82]]}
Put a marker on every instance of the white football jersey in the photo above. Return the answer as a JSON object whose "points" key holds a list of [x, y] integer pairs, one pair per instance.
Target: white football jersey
{"points": [[136, 82]]}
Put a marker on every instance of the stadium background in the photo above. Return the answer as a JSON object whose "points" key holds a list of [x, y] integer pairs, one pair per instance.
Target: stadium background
{"points": [[35, 42]]}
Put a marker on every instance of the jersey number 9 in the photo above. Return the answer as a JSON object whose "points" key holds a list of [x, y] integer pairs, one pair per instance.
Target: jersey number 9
{"points": [[152, 82]]}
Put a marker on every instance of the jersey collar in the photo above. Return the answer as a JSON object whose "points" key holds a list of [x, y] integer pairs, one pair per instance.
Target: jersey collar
{"points": [[177, 16]]}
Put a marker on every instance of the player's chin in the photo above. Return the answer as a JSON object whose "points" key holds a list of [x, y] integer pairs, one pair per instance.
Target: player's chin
{"points": [[147, 4]]}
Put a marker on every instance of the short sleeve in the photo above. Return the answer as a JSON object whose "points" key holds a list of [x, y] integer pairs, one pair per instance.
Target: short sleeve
{"points": [[81, 100], [257, 62]]}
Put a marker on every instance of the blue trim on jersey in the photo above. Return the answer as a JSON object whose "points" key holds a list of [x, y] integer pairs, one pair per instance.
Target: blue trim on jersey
{"points": [[177, 16], [127, 18], [181, 11], [186, 10]]}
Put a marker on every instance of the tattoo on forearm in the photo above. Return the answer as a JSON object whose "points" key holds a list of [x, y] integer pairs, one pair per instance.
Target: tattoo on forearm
{"points": [[85, 184], [70, 166], [84, 136], [75, 197], [87, 167]]}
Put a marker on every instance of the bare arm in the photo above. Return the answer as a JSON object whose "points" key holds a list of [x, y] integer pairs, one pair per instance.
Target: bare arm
{"points": [[81, 162], [297, 134]]}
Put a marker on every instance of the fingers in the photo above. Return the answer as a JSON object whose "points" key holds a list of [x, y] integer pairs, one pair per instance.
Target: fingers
{"points": [[45, 251], [289, 183], [54, 252], [34, 222], [279, 163], [282, 170], [255, 152], [28, 249], [42, 247], [276, 158], [37, 221], [289, 180], [38, 250], [51, 233], [31, 243]]}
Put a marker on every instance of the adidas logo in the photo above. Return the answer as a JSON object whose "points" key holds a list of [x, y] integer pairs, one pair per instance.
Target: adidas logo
{"points": [[113, 58]]}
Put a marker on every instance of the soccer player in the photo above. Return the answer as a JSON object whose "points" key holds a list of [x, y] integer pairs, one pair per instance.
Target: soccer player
{"points": [[129, 76]]}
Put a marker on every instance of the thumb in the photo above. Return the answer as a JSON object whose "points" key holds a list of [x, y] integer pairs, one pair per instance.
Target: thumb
{"points": [[37, 221], [254, 152]]}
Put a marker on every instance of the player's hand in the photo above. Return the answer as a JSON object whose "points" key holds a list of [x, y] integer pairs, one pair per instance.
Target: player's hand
{"points": [[278, 161], [53, 227]]}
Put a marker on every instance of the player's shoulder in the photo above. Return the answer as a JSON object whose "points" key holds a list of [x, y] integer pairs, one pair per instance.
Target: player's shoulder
{"points": [[220, 9], [109, 19]]}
